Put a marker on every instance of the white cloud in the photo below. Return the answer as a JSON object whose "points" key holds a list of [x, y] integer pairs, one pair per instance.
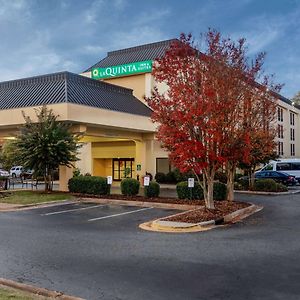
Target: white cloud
{"points": [[93, 49], [136, 36], [91, 14]]}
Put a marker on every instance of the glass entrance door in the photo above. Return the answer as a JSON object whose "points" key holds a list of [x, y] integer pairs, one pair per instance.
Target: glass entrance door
{"points": [[122, 168]]}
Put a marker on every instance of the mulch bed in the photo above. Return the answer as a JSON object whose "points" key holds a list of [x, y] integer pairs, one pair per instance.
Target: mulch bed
{"points": [[222, 208], [142, 199]]}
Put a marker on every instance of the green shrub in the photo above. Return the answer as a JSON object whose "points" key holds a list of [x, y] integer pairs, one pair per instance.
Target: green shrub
{"points": [[184, 192], [244, 184], [171, 177], [219, 191], [93, 185], [152, 190], [269, 185], [237, 176], [160, 177], [238, 186], [76, 172], [130, 186], [221, 176]]}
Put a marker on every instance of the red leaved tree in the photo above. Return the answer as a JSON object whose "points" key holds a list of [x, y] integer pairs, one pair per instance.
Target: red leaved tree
{"points": [[201, 114]]}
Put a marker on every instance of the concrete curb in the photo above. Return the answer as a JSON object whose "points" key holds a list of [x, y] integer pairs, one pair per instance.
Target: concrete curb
{"points": [[36, 290], [267, 193], [161, 225], [141, 203]]}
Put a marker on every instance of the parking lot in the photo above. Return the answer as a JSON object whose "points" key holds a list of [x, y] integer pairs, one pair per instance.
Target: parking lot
{"points": [[98, 252]]}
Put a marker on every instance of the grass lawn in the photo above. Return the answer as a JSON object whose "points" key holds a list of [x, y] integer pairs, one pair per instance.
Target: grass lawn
{"points": [[32, 197], [9, 293]]}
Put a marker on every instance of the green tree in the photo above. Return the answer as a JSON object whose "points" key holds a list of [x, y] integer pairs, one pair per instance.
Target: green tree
{"points": [[8, 155], [46, 144], [296, 98]]}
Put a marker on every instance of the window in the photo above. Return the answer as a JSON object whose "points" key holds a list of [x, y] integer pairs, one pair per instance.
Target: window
{"points": [[280, 148], [295, 166], [163, 165], [280, 131], [269, 167], [292, 149], [292, 118], [283, 167], [280, 114], [292, 130]]}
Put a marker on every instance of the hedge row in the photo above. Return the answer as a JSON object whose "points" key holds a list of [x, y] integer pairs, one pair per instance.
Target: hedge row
{"points": [[93, 185], [269, 185], [184, 192]]}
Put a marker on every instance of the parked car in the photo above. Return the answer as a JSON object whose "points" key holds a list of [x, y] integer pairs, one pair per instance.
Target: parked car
{"points": [[280, 177], [16, 171], [26, 174], [4, 173], [289, 166]]}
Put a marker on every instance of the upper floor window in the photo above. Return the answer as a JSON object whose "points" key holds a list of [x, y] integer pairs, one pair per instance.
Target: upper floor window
{"points": [[292, 134], [280, 131], [280, 148], [292, 119], [280, 114], [292, 149]]}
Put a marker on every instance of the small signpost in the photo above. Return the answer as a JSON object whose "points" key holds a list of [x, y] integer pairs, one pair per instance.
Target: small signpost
{"points": [[109, 180], [146, 181], [191, 184]]}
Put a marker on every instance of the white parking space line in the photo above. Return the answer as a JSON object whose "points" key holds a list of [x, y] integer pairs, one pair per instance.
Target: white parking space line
{"points": [[121, 214], [70, 210]]}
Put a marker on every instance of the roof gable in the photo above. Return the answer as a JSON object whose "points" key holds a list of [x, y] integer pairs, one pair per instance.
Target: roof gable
{"points": [[65, 87], [139, 53]]}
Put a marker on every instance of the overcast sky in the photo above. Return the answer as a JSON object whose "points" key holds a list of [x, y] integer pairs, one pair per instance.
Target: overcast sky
{"points": [[44, 36]]}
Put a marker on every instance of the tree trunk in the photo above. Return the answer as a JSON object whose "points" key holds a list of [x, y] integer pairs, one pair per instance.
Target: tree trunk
{"points": [[230, 171], [208, 187], [47, 179], [251, 177], [209, 201]]}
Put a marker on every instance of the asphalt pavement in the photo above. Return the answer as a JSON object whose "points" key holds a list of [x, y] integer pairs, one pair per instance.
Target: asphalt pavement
{"points": [[98, 252]]}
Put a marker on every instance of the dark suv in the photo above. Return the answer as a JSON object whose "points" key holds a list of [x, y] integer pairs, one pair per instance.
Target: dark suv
{"points": [[280, 177]]}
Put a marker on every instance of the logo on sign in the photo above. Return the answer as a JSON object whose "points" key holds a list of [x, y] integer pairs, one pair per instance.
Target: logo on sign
{"points": [[122, 70]]}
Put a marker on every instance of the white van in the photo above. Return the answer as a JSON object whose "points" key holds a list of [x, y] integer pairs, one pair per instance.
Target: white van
{"points": [[288, 165]]}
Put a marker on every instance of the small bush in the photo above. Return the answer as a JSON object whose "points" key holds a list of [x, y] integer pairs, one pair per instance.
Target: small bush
{"points": [[184, 192], [152, 190], [237, 176], [93, 185], [244, 184], [76, 172], [160, 177], [130, 186], [221, 176], [171, 177], [238, 186], [269, 185], [219, 191]]}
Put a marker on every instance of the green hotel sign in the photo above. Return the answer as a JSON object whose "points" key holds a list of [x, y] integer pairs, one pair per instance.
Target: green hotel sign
{"points": [[122, 70]]}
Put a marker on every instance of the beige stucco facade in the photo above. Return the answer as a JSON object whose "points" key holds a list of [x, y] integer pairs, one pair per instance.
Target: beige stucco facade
{"points": [[108, 136]]}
